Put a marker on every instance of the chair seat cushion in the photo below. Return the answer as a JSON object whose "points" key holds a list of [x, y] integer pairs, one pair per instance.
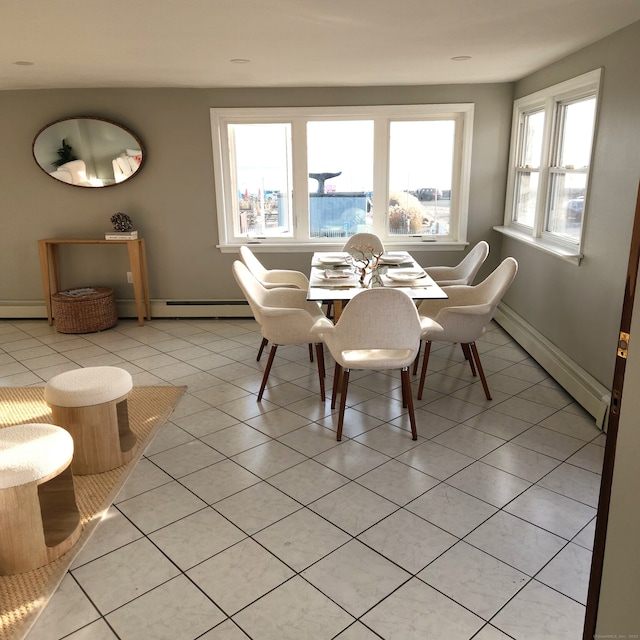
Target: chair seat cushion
{"points": [[87, 387], [377, 358], [33, 453]]}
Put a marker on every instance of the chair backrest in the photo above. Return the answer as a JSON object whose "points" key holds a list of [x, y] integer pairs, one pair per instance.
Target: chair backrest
{"points": [[253, 264], [253, 291], [360, 241], [465, 271], [377, 319], [495, 285]]}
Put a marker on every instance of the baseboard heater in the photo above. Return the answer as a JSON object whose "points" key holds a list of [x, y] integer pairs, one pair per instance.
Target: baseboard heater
{"points": [[582, 386]]}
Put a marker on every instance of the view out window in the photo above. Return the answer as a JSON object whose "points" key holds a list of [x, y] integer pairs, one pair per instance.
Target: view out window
{"points": [[551, 148], [300, 176]]}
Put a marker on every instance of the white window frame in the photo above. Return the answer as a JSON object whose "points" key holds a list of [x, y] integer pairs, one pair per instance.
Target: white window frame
{"points": [[550, 100], [381, 115]]}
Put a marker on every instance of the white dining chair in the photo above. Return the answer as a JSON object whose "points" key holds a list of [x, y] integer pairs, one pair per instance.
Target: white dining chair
{"points": [[379, 330], [463, 317], [271, 279], [285, 317], [465, 271], [364, 240]]}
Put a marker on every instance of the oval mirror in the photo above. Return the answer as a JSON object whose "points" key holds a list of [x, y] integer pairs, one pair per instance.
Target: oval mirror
{"points": [[88, 152]]}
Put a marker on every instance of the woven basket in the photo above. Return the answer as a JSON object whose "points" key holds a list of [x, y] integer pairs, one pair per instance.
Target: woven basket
{"points": [[85, 313]]}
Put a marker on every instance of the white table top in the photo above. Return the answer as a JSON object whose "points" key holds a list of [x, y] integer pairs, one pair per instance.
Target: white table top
{"points": [[333, 277]]}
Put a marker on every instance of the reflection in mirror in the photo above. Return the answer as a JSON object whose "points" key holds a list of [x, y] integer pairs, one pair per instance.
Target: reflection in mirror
{"points": [[88, 152]]}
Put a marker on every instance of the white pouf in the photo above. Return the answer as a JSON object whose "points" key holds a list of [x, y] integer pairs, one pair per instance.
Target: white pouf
{"points": [[39, 518], [91, 404]]}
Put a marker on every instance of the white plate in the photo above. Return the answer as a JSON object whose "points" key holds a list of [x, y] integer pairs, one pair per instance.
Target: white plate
{"points": [[393, 258], [337, 279], [333, 258], [406, 276]]}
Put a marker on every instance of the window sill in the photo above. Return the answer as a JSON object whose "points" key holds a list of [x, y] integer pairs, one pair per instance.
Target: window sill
{"points": [[566, 254], [302, 247]]}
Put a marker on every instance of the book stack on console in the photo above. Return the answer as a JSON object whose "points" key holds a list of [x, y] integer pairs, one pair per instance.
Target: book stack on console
{"points": [[121, 235]]}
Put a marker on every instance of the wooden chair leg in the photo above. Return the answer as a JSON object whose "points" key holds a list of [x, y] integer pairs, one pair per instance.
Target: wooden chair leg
{"points": [[467, 356], [321, 374], [408, 401], [336, 381], [272, 355], [415, 362], [425, 362], [329, 308], [343, 402], [476, 357], [263, 344], [310, 352]]}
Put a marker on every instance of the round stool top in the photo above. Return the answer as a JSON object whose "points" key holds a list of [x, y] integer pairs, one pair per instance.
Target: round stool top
{"points": [[33, 453], [88, 386]]}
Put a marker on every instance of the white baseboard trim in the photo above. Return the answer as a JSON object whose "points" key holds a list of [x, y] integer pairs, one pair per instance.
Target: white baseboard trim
{"points": [[582, 386], [14, 309]]}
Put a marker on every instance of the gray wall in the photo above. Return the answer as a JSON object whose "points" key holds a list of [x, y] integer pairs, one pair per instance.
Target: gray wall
{"points": [[578, 308], [172, 200]]}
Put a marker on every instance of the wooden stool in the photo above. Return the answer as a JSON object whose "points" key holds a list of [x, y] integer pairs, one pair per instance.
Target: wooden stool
{"points": [[91, 404], [39, 518]]}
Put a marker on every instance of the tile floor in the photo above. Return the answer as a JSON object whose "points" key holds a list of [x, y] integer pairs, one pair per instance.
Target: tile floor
{"points": [[248, 520]]}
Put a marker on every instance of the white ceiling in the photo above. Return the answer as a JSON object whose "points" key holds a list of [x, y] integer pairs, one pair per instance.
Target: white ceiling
{"points": [[190, 43]]}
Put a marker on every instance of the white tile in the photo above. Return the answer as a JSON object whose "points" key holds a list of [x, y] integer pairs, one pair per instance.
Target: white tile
{"points": [[308, 481], [474, 579], [122, 575], [228, 630], [269, 458], [68, 610], [144, 477], [574, 482], [351, 459], [235, 439], [388, 439], [219, 481], [257, 507], [516, 542], [98, 630], [590, 457], [293, 611], [397, 482], [518, 461], [551, 511], [239, 575], [416, 611], [353, 508], [202, 423], [310, 439], [186, 458], [489, 484], [301, 539], [355, 577], [196, 537], [435, 460], [548, 442], [357, 631], [498, 424], [175, 609], [470, 442], [540, 613], [277, 422], [451, 510], [569, 572], [408, 540]]}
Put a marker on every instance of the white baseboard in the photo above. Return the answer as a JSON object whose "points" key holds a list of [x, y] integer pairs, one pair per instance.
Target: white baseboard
{"points": [[584, 388], [14, 309]]}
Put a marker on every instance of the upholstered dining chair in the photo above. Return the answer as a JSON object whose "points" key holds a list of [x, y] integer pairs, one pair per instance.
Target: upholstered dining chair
{"points": [[285, 318], [369, 240], [271, 279], [379, 330], [465, 271], [463, 317]]}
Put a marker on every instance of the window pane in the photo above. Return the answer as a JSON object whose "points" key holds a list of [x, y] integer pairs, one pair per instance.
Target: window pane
{"points": [[577, 126], [420, 176], [532, 130], [526, 197], [260, 157], [566, 204], [340, 164]]}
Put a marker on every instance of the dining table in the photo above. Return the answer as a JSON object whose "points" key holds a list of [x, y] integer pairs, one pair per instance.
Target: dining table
{"points": [[337, 276]]}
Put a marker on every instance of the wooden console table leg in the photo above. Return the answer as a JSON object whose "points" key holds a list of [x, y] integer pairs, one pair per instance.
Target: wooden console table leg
{"points": [[133, 247], [145, 278], [43, 252]]}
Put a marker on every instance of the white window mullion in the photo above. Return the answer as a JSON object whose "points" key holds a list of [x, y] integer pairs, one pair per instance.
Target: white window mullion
{"points": [[380, 200], [300, 200]]}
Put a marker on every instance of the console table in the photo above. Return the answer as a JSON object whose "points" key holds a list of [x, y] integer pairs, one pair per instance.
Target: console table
{"points": [[50, 268]]}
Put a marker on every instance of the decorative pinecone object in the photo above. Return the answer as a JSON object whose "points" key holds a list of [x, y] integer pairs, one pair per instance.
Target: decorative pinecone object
{"points": [[121, 222]]}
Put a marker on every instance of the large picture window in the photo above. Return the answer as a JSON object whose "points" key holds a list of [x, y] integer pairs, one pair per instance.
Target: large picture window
{"points": [[317, 176], [551, 148]]}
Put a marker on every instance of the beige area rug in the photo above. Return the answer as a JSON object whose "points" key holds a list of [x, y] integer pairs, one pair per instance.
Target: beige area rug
{"points": [[23, 596]]}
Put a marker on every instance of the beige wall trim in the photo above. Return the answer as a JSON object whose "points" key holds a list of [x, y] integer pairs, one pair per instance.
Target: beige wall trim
{"points": [[587, 391]]}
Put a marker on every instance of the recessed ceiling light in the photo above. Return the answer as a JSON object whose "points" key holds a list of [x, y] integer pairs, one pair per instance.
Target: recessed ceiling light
{"points": [[461, 58], [239, 60], [24, 63]]}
